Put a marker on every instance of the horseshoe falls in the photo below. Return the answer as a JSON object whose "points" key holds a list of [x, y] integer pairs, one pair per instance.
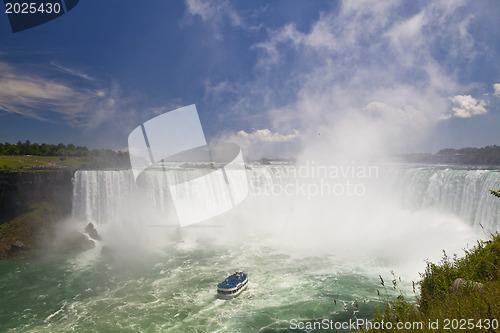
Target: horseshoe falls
{"points": [[459, 191], [313, 242]]}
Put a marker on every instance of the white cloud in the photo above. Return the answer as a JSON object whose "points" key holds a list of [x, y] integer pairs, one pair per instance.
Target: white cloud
{"points": [[466, 106], [72, 71], [214, 13], [45, 94], [217, 90], [496, 87], [169, 106], [268, 136], [278, 38], [264, 143]]}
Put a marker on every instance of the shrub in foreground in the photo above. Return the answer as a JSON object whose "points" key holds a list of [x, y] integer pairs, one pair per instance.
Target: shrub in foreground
{"points": [[473, 307]]}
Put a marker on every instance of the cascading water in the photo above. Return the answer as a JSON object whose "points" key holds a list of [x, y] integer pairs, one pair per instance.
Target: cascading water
{"points": [[280, 207], [109, 196], [96, 194], [102, 196], [460, 191]]}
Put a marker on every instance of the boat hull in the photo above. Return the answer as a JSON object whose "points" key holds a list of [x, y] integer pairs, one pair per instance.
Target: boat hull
{"points": [[222, 295]]}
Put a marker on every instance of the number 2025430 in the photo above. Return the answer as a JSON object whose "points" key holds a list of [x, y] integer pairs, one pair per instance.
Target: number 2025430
{"points": [[33, 8]]}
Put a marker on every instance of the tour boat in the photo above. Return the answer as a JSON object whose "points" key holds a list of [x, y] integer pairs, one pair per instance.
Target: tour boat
{"points": [[232, 286]]}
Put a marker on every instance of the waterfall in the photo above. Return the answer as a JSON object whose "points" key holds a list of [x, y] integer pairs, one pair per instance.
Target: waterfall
{"points": [[103, 196], [463, 192], [100, 196], [112, 197]]}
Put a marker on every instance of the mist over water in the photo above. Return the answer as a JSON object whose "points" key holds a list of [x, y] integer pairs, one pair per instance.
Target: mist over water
{"points": [[312, 238], [348, 210]]}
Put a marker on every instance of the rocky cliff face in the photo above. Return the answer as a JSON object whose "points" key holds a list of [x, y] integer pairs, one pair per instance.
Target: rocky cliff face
{"points": [[31, 204], [18, 191]]}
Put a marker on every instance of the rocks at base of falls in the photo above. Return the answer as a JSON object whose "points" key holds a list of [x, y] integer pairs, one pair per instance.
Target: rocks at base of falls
{"points": [[70, 242], [92, 232], [29, 236], [29, 233], [73, 242], [10, 250]]}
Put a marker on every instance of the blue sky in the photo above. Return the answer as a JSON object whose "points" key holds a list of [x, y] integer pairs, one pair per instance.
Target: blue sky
{"points": [[277, 77]]}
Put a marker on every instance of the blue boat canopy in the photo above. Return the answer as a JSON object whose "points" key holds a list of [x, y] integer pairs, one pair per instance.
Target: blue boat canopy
{"points": [[232, 280]]}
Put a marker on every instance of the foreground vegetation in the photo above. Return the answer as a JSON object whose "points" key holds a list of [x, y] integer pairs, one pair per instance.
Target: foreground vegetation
{"points": [[472, 306]]}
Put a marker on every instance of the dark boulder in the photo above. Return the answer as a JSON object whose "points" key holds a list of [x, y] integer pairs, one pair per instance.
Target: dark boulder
{"points": [[460, 284], [92, 232]]}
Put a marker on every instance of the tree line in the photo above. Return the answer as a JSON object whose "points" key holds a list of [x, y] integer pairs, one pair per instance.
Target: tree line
{"points": [[44, 149], [96, 158], [489, 155]]}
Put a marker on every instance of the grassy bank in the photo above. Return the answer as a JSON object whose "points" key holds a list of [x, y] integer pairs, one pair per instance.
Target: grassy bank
{"points": [[29, 163], [95, 159], [36, 233], [473, 306], [25, 234]]}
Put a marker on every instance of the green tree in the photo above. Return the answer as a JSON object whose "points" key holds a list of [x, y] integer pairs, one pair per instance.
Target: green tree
{"points": [[35, 149], [12, 150], [26, 148], [71, 150], [62, 152], [82, 151]]}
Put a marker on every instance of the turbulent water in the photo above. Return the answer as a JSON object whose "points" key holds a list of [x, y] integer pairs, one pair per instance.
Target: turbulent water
{"points": [[313, 243]]}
